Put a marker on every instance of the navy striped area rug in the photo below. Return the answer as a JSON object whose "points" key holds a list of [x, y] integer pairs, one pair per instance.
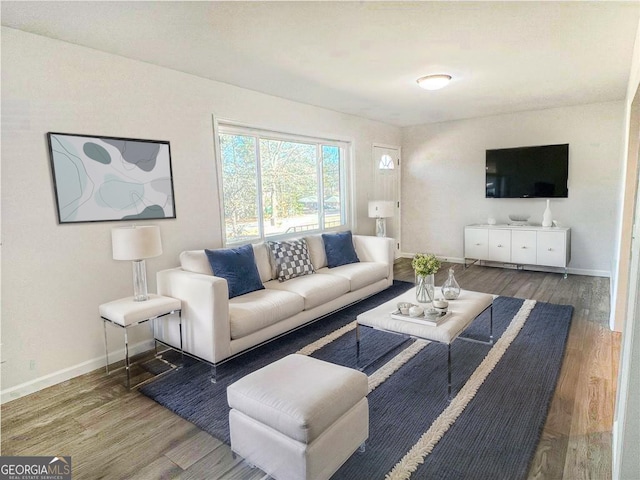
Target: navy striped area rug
{"points": [[489, 430]]}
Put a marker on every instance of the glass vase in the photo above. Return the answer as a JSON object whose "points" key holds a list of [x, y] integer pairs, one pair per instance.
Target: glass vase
{"points": [[450, 288], [425, 285]]}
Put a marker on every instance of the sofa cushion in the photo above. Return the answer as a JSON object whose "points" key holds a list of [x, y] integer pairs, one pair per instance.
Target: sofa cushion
{"points": [[197, 261], [316, 251], [238, 267], [263, 261], [291, 258], [339, 249], [359, 275], [315, 289], [256, 310]]}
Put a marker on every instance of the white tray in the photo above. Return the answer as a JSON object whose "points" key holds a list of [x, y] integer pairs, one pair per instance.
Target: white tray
{"points": [[433, 320]]}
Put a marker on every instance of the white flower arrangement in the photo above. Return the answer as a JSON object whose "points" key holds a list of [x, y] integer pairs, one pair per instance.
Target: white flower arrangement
{"points": [[425, 263]]}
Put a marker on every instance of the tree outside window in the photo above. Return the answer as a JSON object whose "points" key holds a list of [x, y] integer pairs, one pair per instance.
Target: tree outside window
{"points": [[277, 186]]}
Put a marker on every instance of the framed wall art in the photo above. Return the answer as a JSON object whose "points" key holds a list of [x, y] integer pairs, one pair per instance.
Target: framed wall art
{"points": [[101, 179]]}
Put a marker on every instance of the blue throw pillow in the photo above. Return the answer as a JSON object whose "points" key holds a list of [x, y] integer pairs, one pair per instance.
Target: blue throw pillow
{"points": [[238, 267], [339, 249]]}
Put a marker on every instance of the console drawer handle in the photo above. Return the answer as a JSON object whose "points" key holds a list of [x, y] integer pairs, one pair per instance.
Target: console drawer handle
{"points": [[550, 249]]}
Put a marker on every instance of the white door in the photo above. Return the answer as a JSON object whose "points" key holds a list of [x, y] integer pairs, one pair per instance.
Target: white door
{"points": [[386, 185]]}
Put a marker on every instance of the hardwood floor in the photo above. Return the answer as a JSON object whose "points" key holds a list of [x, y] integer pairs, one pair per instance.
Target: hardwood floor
{"points": [[111, 433]]}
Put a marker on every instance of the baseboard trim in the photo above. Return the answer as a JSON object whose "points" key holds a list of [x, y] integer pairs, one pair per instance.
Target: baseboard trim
{"points": [[65, 374]]}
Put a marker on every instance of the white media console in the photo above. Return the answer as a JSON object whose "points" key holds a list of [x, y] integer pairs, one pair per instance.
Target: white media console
{"points": [[518, 245]]}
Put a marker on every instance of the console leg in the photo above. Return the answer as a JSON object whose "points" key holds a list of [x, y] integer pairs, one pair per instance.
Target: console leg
{"points": [[362, 448], [213, 374]]}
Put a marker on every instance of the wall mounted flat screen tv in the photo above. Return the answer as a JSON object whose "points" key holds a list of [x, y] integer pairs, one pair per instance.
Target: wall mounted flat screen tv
{"points": [[528, 172]]}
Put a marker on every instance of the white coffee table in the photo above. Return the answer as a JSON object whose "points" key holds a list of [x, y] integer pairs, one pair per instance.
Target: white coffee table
{"points": [[463, 311]]}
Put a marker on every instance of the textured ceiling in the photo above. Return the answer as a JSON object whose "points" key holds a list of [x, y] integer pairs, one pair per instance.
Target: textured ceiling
{"points": [[363, 58]]}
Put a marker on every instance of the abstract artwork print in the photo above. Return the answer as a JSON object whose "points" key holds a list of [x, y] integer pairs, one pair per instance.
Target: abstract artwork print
{"points": [[100, 179]]}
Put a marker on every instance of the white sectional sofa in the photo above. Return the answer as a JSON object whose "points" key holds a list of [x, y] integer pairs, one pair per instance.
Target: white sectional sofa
{"points": [[216, 328]]}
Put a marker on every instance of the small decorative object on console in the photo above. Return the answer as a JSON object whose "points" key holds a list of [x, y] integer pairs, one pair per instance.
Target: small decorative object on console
{"points": [[518, 219], [547, 217], [450, 288]]}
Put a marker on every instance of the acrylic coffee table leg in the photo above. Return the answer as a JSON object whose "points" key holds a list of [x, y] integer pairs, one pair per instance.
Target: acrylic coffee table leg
{"points": [[357, 345]]}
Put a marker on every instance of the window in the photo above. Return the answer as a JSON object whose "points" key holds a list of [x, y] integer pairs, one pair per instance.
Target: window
{"points": [[277, 184], [386, 162]]}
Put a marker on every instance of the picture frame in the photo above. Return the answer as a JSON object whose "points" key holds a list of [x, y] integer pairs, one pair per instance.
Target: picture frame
{"points": [[108, 179]]}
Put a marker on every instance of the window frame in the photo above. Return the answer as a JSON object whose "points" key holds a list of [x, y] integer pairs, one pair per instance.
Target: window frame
{"points": [[221, 126]]}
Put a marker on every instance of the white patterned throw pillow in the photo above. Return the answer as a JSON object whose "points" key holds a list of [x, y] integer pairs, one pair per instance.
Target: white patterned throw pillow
{"points": [[291, 259]]}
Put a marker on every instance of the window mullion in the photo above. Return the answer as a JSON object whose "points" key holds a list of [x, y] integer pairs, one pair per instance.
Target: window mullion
{"points": [[320, 173], [259, 188], [342, 172]]}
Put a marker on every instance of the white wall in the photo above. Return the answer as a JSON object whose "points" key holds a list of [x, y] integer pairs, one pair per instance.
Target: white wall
{"points": [[443, 179], [55, 276]]}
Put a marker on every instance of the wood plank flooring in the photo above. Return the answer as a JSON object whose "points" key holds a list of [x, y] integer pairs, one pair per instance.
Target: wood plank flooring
{"points": [[115, 434]]}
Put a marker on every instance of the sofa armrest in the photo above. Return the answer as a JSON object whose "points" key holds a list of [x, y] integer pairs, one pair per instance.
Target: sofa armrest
{"points": [[375, 249], [206, 332]]}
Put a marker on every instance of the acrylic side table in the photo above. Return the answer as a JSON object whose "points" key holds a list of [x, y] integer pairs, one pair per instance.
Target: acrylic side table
{"points": [[126, 313]]}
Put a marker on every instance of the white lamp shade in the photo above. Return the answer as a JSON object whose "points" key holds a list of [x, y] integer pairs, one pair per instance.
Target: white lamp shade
{"points": [[136, 243], [381, 208]]}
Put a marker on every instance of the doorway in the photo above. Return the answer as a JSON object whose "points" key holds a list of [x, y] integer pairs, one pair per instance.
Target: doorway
{"points": [[386, 186]]}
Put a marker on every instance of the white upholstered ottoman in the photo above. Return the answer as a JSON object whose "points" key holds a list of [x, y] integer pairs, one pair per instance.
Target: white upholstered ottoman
{"points": [[299, 417]]}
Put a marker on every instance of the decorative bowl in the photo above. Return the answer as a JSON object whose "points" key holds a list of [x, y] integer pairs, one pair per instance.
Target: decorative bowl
{"points": [[416, 311], [440, 304], [515, 217]]}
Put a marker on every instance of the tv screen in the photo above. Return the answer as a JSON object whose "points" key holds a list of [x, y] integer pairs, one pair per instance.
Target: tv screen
{"points": [[528, 172]]}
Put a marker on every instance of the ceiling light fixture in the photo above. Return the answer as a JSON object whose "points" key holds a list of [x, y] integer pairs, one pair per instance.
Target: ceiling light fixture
{"points": [[434, 82]]}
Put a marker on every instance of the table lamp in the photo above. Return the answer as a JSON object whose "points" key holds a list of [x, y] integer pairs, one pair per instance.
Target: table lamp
{"points": [[381, 209], [137, 243]]}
